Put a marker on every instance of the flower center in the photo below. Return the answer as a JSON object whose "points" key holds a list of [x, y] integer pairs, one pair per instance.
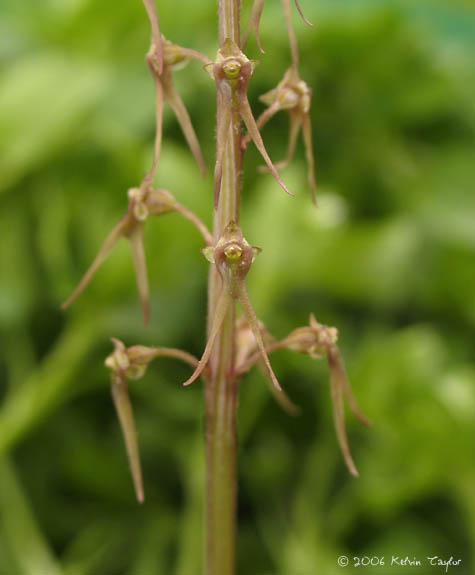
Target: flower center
{"points": [[233, 252], [232, 68]]}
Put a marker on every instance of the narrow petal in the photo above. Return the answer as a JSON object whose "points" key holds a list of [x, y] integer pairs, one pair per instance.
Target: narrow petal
{"points": [[123, 407], [254, 21], [306, 20], [106, 248], [248, 118], [158, 121], [336, 387], [181, 113], [138, 255], [259, 6], [266, 115], [294, 127], [348, 393], [223, 128], [220, 313], [251, 318], [156, 35], [307, 137]]}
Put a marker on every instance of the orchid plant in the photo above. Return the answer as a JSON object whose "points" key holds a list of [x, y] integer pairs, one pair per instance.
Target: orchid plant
{"points": [[234, 344]]}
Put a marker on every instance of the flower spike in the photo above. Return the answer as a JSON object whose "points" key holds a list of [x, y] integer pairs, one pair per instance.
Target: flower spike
{"points": [[232, 72], [233, 257]]}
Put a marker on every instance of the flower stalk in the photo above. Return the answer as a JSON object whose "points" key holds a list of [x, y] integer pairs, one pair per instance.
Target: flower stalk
{"points": [[234, 345], [221, 386]]}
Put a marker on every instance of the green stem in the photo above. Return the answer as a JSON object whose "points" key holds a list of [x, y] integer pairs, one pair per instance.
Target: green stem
{"points": [[221, 386]]}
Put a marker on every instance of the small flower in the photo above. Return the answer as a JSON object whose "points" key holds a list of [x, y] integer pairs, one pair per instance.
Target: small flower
{"points": [[319, 340], [232, 72], [162, 58], [294, 95], [233, 257], [123, 367], [143, 202], [131, 363]]}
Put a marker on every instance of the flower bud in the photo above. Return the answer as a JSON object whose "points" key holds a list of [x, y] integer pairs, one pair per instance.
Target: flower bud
{"points": [[130, 363], [314, 339]]}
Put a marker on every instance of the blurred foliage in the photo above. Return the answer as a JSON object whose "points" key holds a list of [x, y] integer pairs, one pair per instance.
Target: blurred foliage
{"points": [[389, 258]]}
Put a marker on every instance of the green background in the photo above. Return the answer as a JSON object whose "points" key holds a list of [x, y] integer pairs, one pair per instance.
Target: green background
{"points": [[389, 258]]}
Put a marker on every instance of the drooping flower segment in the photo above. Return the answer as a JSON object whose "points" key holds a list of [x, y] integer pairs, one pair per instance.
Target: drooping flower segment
{"points": [[228, 252], [143, 202], [317, 341], [162, 58], [293, 95], [131, 363]]}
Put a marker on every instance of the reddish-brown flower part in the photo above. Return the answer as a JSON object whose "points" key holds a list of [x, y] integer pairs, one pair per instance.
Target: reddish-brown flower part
{"points": [[162, 58], [143, 202], [293, 95], [255, 19], [131, 363], [232, 73], [233, 257], [318, 340]]}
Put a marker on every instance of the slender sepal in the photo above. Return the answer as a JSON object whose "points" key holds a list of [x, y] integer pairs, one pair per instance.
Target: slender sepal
{"points": [[220, 313], [306, 20], [339, 368], [158, 122], [138, 256], [248, 118], [120, 396], [251, 318], [114, 236], [295, 122], [307, 138], [337, 382], [176, 103]]}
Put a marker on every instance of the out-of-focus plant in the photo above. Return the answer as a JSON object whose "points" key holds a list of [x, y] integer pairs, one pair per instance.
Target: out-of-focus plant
{"points": [[234, 344]]}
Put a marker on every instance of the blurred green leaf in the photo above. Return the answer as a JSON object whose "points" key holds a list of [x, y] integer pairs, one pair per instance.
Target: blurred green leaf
{"points": [[28, 546]]}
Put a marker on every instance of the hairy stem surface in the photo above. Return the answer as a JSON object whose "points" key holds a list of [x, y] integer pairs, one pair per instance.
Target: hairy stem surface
{"points": [[221, 387]]}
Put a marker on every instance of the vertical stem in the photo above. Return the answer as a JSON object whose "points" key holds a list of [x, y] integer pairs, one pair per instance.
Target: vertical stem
{"points": [[221, 387]]}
